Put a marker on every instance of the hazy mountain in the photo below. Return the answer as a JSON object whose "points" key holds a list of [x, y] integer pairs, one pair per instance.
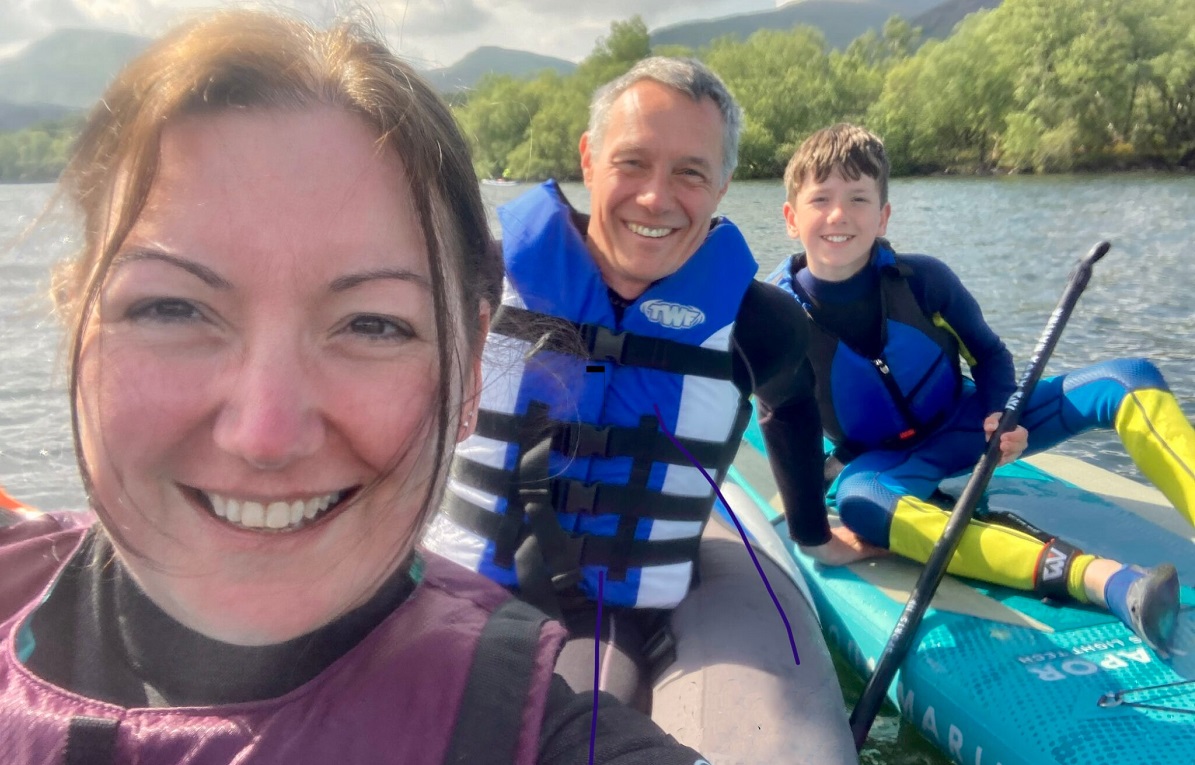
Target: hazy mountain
{"points": [[840, 20], [490, 59], [940, 21], [19, 116], [69, 67]]}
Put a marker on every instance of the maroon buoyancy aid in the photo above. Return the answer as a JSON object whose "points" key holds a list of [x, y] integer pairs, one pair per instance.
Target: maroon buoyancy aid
{"points": [[420, 688]]}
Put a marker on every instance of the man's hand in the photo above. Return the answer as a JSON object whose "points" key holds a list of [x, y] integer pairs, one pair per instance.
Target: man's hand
{"points": [[845, 546], [1012, 444]]}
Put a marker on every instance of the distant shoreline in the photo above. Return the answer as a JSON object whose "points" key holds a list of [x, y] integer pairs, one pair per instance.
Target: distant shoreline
{"points": [[1149, 165]]}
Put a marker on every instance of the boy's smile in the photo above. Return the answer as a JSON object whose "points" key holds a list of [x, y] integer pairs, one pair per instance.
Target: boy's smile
{"points": [[837, 220]]}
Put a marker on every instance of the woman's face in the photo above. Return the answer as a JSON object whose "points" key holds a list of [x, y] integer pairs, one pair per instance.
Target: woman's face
{"points": [[264, 347]]}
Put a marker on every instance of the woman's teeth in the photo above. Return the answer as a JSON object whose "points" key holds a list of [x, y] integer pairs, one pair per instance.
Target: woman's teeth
{"points": [[271, 515]]}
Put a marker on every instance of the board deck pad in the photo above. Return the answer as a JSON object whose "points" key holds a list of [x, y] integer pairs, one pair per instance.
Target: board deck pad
{"points": [[997, 676]]}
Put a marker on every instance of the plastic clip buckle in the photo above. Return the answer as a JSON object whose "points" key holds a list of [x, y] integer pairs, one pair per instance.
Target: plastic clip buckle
{"points": [[605, 345], [589, 441], [580, 497]]}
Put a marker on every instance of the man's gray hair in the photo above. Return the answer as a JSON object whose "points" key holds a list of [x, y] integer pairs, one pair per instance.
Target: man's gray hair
{"points": [[686, 75]]}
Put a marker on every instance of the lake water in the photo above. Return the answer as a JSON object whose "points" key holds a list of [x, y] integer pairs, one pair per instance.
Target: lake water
{"points": [[1012, 240]]}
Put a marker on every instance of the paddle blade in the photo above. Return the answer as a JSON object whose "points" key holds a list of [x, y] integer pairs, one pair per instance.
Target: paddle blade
{"points": [[7, 502]]}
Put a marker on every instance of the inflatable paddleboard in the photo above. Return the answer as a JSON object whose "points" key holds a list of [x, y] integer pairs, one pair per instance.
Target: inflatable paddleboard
{"points": [[998, 677]]}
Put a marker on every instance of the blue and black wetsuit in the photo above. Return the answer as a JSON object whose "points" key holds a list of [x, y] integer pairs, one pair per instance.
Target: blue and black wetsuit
{"points": [[894, 400]]}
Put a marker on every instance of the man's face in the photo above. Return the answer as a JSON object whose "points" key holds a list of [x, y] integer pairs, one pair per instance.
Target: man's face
{"points": [[654, 182]]}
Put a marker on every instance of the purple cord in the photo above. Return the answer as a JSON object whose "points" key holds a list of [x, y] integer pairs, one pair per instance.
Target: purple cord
{"points": [[597, 663], [743, 534]]}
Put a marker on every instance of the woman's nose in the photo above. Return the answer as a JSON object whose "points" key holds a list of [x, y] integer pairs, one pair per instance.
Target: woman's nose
{"points": [[270, 417]]}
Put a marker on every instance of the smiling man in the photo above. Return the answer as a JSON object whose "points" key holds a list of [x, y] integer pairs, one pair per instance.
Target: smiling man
{"points": [[620, 329]]}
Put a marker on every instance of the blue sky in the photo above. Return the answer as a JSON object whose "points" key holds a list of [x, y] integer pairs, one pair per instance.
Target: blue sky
{"points": [[430, 32]]}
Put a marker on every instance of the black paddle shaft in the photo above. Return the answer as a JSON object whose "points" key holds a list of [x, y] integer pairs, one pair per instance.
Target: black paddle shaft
{"points": [[905, 631]]}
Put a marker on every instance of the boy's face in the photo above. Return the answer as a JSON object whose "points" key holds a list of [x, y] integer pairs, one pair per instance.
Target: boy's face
{"points": [[837, 220]]}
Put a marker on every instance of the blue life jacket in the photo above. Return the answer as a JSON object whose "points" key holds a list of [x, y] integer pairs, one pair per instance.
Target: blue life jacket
{"points": [[570, 474], [893, 401]]}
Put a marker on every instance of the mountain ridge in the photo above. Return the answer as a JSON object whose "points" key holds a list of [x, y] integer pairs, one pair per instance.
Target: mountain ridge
{"points": [[69, 68]]}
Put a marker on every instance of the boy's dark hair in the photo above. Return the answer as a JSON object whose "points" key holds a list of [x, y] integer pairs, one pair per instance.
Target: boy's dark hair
{"points": [[852, 150]]}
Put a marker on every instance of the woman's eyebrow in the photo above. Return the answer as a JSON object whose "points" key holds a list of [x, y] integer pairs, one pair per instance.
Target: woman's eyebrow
{"points": [[348, 281], [205, 274]]}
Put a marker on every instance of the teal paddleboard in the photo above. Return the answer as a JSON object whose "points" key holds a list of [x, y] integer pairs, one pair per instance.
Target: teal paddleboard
{"points": [[1001, 678]]}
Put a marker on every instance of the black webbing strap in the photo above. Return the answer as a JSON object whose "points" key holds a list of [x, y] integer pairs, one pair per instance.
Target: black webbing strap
{"points": [[1053, 570], [593, 550], [572, 496], [624, 537], [584, 440], [598, 343], [504, 530], [1014, 521], [91, 741], [547, 559], [490, 719]]}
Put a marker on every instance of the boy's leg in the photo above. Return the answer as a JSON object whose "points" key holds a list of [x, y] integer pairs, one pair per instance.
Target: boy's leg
{"points": [[1130, 396], [879, 497], [884, 507]]}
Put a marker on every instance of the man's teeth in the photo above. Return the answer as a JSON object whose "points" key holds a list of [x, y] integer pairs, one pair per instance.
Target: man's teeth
{"points": [[654, 233], [837, 238], [272, 515]]}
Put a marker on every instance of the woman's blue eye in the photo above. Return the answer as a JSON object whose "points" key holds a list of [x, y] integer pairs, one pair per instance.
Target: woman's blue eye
{"points": [[380, 327], [164, 310]]}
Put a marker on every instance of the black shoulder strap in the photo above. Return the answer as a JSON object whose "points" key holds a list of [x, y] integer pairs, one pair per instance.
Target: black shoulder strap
{"points": [[598, 343], [91, 741], [490, 719]]}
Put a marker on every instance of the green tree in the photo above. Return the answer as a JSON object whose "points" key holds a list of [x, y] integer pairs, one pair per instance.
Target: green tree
{"points": [[945, 107], [627, 43], [1082, 74], [497, 120], [784, 84], [37, 154]]}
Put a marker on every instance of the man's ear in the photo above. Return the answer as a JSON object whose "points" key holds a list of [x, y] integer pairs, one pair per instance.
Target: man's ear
{"points": [[722, 191], [586, 158]]}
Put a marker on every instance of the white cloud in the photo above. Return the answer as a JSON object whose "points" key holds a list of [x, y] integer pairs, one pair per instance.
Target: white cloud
{"points": [[432, 32], [25, 20]]}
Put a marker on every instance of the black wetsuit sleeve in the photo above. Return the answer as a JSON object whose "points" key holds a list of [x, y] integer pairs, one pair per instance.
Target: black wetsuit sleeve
{"points": [[772, 339], [623, 735], [939, 290]]}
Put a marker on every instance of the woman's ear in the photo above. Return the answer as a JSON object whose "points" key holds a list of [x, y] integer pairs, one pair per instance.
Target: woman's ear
{"points": [[472, 399]]}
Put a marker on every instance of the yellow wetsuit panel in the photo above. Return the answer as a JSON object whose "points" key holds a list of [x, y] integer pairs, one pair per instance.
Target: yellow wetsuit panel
{"points": [[1158, 437], [988, 552]]}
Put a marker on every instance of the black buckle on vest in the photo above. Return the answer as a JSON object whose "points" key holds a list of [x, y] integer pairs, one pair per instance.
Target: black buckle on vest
{"points": [[605, 345], [588, 441], [566, 580], [579, 497]]}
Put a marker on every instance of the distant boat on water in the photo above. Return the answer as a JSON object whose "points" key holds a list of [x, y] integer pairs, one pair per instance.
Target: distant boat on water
{"points": [[499, 182]]}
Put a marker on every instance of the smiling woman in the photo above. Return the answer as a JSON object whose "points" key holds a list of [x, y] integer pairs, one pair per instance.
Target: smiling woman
{"points": [[275, 326]]}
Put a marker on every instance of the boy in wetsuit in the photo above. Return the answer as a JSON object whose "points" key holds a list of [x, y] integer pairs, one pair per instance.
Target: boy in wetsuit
{"points": [[889, 332]]}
